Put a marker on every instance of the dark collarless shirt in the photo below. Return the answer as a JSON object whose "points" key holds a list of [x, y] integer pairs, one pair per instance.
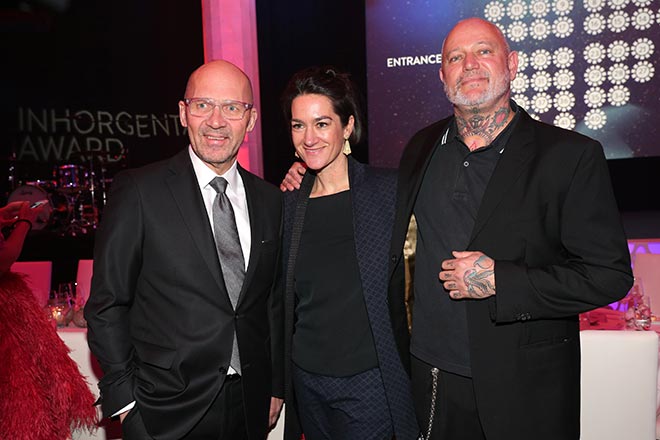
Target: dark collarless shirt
{"points": [[332, 334], [446, 209]]}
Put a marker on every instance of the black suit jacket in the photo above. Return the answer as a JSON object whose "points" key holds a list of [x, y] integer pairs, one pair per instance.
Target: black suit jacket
{"points": [[550, 221], [160, 320], [372, 200]]}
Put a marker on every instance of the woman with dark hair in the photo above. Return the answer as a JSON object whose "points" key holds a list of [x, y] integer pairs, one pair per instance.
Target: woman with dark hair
{"points": [[345, 378]]}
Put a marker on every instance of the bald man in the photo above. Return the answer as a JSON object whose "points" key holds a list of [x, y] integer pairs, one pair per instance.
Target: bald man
{"points": [[164, 315], [518, 233]]}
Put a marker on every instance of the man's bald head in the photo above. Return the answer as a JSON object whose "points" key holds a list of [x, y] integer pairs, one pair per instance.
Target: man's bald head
{"points": [[222, 72]]}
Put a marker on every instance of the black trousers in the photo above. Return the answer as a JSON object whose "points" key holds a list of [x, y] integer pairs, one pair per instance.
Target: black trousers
{"points": [[224, 420], [338, 408], [456, 416]]}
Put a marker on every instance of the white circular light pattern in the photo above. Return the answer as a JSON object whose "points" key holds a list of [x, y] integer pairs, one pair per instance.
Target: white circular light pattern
{"points": [[517, 31], [595, 119], [562, 7], [594, 24], [564, 101], [540, 59], [611, 67], [595, 97], [618, 51], [617, 4], [539, 8], [541, 102], [563, 57], [618, 95], [520, 83], [642, 48], [595, 75], [540, 29], [495, 11], [618, 21], [541, 81], [563, 79], [594, 53], [643, 71], [502, 29], [562, 27], [517, 9], [642, 19], [593, 5], [618, 73], [523, 61], [522, 100], [565, 120]]}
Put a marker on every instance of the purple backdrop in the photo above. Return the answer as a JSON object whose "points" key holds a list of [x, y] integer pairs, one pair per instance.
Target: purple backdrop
{"points": [[586, 65]]}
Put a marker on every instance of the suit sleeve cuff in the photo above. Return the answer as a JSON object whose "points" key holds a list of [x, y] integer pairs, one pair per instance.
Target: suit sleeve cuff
{"points": [[124, 409]]}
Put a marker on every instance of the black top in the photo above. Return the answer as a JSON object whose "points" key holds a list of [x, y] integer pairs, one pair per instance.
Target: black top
{"points": [[446, 209], [332, 335]]}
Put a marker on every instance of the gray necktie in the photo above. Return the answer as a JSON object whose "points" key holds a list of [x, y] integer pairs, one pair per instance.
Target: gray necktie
{"points": [[229, 252]]}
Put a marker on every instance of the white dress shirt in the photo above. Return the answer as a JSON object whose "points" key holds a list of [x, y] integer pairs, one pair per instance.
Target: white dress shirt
{"points": [[235, 193]]}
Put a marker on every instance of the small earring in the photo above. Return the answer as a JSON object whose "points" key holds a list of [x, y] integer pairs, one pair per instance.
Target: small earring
{"points": [[347, 147], [295, 153]]}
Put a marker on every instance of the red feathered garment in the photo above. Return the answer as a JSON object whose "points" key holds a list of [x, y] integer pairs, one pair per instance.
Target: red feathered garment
{"points": [[43, 396]]}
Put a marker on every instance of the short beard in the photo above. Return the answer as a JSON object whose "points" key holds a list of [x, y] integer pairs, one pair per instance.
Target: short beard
{"points": [[495, 90]]}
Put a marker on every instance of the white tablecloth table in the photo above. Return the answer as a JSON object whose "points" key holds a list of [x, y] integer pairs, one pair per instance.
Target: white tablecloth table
{"points": [[606, 319], [76, 339]]}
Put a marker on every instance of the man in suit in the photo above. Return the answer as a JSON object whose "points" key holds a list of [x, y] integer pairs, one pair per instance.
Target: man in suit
{"points": [[188, 332], [518, 233]]}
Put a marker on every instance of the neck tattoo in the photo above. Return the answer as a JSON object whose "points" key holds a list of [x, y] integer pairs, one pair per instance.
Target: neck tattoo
{"points": [[484, 126]]}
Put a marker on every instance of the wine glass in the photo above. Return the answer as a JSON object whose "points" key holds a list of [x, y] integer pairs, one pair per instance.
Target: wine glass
{"points": [[60, 304], [638, 315], [79, 307]]}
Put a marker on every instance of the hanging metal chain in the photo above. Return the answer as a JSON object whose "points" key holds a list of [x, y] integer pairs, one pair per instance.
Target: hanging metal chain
{"points": [[434, 395]]}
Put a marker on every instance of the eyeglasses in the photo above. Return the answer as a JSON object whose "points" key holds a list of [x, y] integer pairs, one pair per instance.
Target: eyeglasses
{"points": [[231, 110]]}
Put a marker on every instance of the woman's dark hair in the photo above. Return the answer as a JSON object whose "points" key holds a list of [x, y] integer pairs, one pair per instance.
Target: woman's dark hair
{"points": [[335, 85]]}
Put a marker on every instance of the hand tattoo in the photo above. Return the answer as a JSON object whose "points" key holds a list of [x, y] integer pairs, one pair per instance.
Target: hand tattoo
{"points": [[477, 280]]}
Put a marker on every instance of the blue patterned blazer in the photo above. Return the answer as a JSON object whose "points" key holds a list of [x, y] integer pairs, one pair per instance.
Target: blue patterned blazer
{"points": [[373, 193]]}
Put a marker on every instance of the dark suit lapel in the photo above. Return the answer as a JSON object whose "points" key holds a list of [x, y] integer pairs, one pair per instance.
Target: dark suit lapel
{"points": [[419, 164], [371, 234], [255, 206], [517, 154], [372, 222], [184, 188], [411, 172], [298, 223], [363, 229]]}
